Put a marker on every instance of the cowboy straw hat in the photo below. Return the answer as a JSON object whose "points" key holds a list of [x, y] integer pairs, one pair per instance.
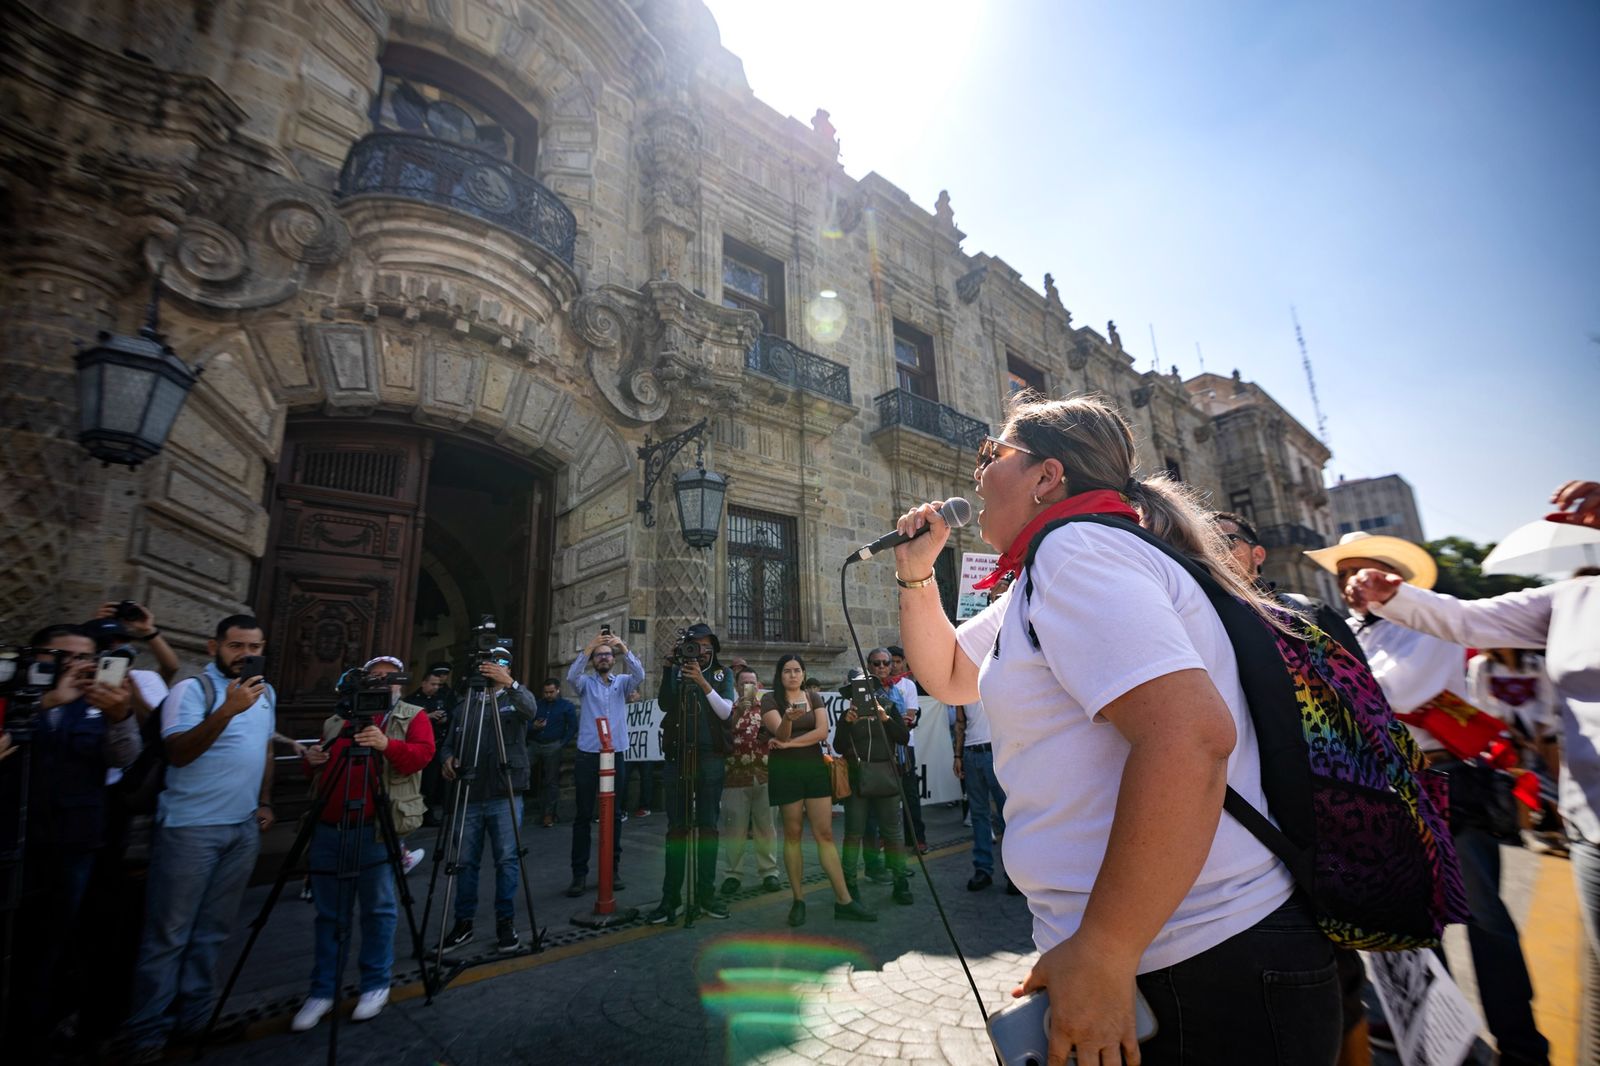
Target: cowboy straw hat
{"points": [[1410, 561]]}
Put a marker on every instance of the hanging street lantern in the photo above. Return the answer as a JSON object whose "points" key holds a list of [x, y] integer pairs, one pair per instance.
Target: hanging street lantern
{"points": [[700, 493], [130, 390]]}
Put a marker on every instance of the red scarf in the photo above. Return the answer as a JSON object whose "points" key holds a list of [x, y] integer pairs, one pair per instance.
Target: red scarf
{"points": [[1095, 501]]}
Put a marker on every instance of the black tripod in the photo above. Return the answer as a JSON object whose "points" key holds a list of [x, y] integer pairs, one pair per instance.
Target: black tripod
{"points": [[480, 705], [12, 870], [688, 760], [342, 770]]}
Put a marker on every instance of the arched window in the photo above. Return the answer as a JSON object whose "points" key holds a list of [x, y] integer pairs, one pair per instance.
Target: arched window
{"points": [[429, 95]]}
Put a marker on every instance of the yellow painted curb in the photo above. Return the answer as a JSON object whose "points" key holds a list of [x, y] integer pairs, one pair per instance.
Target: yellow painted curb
{"points": [[1550, 942]]}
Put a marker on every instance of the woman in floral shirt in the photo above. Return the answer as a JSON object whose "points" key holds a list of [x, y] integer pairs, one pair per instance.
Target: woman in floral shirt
{"points": [[744, 791]]}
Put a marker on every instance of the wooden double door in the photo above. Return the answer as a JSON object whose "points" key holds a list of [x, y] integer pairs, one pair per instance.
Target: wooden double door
{"points": [[350, 528]]}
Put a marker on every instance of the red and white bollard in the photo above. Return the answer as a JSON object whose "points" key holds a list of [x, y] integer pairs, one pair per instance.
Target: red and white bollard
{"points": [[605, 905]]}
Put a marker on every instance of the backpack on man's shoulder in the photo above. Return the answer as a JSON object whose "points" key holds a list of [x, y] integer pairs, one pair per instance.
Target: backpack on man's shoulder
{"points": [[1361, 825], [145, 778]]}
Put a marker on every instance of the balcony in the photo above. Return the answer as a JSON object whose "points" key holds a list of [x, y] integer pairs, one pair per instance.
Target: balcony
{"points": [[897, 407], [464, 179], [1292, 535], [777, 358]]}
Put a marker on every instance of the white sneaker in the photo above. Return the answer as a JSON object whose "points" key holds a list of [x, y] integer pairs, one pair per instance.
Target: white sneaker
{"points": [[410, 860], [310, 1014], [370, 1005]]}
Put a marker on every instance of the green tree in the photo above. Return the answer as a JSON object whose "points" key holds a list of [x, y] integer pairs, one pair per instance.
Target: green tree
{"points": [[1461, 570]]}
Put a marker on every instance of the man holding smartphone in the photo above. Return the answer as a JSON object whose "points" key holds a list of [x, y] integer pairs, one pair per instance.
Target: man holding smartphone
{"points": [[83, 728], [217, 729]]}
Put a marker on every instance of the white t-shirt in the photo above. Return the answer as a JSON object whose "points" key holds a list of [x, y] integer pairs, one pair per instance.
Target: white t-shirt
{"points": [[1111, 613], [977, 725], [913, 702], [1412, 668]]}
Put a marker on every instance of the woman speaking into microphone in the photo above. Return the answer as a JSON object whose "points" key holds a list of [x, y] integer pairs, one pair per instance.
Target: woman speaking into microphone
{"points": [[1115, 737]]}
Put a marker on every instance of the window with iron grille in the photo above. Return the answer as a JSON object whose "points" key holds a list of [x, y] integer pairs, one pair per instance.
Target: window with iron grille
{"points": [[763, 576]]}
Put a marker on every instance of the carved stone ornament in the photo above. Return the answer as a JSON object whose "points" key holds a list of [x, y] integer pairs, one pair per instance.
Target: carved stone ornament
{"points": [[255, 249], [1202, 433], [970, 284], [1078, 354], [1142, 395]]}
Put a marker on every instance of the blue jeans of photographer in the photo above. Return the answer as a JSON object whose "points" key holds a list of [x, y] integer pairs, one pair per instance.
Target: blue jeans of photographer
{"points": [[371, 879], [492, 818]]}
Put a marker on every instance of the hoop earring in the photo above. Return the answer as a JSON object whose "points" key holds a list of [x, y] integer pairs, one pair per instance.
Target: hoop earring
{"points": [[1036, 501]]}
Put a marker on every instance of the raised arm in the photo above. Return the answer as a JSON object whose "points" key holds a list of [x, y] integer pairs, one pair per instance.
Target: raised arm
{"points": [[929, 638], [1514, 620]]}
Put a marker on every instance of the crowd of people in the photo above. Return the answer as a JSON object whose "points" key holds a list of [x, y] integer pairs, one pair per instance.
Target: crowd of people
{"points": [[1100, 724]]}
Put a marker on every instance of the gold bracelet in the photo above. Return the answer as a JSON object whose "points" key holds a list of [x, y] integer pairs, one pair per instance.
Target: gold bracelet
{"points": [[917, 584]]}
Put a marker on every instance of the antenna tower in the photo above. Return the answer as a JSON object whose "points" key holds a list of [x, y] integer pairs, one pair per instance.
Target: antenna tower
{"points": [[1311, 379]]}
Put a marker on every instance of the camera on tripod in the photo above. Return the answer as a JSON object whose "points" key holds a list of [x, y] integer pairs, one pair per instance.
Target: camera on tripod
{"points": [[866, 695], [24, 679], [486, 645], [685, 649], [365, 696]]}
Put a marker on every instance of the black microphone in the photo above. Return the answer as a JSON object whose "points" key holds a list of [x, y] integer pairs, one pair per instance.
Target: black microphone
{"points": [[956, 512]]}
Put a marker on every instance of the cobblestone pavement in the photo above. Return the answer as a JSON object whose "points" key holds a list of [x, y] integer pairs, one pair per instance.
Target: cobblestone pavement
{"points": [[744, 990]]}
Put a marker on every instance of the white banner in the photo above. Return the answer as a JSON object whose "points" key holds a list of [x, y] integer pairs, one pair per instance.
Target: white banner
{"points": [[935, 767], [1433, 1023], [974, 566]]}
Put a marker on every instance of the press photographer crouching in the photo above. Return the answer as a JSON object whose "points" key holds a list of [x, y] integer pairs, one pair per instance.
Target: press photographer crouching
{"points": [[869, 730], [696, 701], [402, 735], [77, 728]]}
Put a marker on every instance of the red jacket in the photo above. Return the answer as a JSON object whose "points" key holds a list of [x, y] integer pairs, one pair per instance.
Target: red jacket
{"points": [[406, 756]]}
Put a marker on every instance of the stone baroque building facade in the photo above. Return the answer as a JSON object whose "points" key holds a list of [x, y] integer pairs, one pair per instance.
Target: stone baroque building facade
{"points": [[1270, 468], [448, 264]]}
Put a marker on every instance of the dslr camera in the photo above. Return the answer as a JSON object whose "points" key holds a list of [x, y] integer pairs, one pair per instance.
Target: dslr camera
{"points": [[24, 679], [486, 645]]}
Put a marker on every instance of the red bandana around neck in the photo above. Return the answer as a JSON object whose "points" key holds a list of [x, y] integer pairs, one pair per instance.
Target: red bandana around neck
{"points": [[1095, 501]]}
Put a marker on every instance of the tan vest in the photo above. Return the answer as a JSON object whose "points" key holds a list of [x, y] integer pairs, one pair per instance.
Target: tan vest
{"points": [[406, 804]]}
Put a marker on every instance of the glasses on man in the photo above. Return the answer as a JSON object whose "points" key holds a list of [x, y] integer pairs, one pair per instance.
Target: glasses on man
{"points": [[1236, 538], [878, 662], [989, 451]]}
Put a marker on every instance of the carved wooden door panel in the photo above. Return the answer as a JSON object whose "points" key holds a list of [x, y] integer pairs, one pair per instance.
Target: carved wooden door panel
{"points": [[339, 577]]}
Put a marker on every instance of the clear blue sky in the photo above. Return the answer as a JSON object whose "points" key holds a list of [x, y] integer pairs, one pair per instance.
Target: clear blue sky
{"points": [[1422, 180]]}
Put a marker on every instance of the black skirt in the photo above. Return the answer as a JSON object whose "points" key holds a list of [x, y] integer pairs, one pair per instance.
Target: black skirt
{"points": [[795, 774]]}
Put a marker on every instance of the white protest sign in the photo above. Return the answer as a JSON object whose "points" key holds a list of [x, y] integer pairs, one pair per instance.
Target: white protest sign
{"points": [[1433, 1023], [935, 767], [969, 601]]}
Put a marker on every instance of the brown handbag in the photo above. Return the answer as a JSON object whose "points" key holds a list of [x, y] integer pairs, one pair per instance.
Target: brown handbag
{"points": [[839, 773]]}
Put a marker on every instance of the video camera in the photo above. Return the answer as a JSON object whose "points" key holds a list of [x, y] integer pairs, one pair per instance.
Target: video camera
{"points": [[865, 693], [486, 645], [365, 697], [685, 649], [24, 679]]}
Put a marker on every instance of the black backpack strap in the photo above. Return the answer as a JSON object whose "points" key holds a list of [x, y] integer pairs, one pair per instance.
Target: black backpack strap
{"points": [[1267, 685]]}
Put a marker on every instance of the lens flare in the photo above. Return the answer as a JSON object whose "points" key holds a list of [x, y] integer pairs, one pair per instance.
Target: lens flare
{"points": [[826, 316], [759, 983]]}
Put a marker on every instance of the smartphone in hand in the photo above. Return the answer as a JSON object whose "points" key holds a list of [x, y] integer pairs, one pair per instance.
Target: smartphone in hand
{"points": [[112, 671], [1021, 1033], [252, 666]]}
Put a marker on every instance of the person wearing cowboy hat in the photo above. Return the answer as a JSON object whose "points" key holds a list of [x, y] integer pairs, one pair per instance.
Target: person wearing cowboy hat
{"points": [[1412, 668]]}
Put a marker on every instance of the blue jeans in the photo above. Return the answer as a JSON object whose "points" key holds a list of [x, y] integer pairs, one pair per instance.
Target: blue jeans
{"points": [[197, 876], [977, 773], [1586, 873], [490, 815], [367, 874], [1503, 984]]}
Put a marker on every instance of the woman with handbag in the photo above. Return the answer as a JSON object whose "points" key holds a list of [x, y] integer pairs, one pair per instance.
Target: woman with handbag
{"points": [[800, 786], [867, 738]]}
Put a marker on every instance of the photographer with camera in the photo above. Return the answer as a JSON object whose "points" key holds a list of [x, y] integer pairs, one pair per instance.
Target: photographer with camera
{"points": [[217, 730], [403, 737], [486, 808], [139, 624], [82, 728], [696, 702], [867, 734], [603, 695]]}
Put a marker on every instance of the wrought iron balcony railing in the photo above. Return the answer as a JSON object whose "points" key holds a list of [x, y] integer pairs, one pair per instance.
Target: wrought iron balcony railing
{"points": [[1292, 535], [897, 407], [778, 358], [463, 178]]}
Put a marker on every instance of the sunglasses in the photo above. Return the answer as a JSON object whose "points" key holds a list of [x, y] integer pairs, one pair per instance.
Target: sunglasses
{"points": [[878, 662], [989, 451], [1235, 538]]}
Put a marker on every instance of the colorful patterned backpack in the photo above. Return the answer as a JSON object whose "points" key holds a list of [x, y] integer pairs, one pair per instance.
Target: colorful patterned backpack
{"points": [[1360, 824]]}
